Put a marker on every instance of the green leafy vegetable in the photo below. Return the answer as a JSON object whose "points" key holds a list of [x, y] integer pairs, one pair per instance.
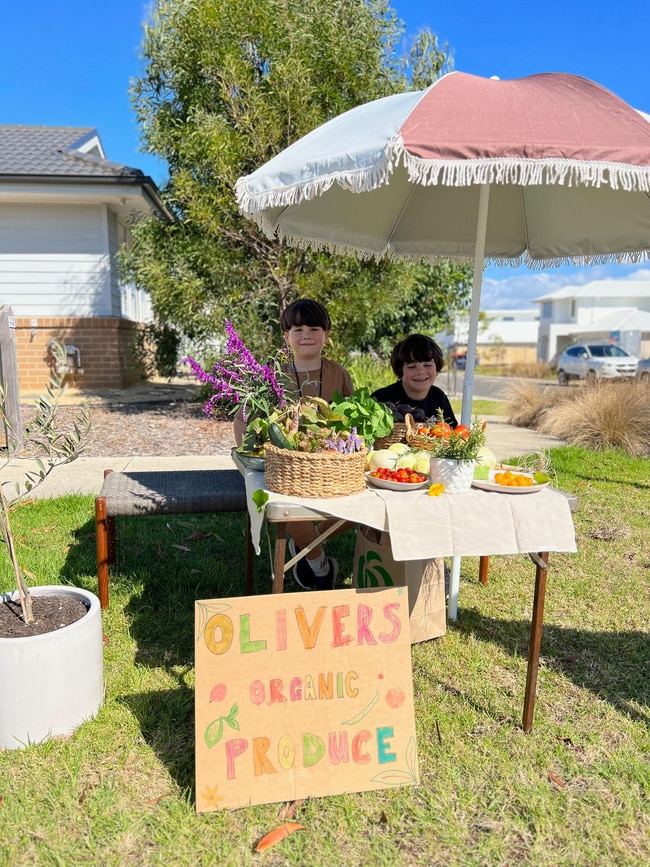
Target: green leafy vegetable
{"points": [[371, 418]]}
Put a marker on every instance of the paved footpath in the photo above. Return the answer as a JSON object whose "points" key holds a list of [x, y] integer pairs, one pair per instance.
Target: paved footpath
{"points": [[85, 475]]}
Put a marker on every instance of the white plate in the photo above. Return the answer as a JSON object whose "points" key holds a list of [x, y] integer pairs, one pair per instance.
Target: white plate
{"points": [[395, 486], [491, 485]]}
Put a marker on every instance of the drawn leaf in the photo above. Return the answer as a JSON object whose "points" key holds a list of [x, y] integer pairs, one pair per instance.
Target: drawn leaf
{"points": [[394, 778], [214, 733]]}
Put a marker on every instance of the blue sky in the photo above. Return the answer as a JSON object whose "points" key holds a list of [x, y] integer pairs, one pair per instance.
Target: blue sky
{"points": [[70, 63]]}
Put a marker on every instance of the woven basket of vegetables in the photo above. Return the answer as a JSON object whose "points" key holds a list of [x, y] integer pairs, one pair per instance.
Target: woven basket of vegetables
{"points": [[314, 474], [397, 435]]}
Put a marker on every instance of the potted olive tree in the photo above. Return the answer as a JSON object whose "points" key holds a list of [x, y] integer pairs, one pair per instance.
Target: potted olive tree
{"points": [[52, 666]]}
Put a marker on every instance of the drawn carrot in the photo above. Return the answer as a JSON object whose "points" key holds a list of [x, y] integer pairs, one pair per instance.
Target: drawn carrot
{"points": [[278, 834]]}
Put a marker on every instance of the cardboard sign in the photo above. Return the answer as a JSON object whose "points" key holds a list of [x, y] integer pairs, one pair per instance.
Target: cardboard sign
{"points": [[301, 695], [375, 566]]}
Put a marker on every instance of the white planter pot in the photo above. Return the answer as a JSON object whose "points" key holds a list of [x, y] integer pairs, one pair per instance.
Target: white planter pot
{"points": [[456, 476], [51, 683]]}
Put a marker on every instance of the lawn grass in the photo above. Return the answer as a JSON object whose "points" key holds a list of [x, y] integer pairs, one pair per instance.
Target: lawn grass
{"points": [[481, 407], [120, 790]]}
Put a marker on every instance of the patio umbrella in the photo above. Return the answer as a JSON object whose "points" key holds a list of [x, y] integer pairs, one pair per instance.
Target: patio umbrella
{"points": [[550, 169]]}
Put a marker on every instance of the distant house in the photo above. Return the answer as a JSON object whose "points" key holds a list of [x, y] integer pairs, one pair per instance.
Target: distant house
{"points": [[603, 310], [65, 210], [505, 337]]}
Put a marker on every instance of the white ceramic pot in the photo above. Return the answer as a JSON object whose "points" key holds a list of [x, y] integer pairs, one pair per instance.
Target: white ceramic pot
{"points": [[51, 683], [456, 476]]}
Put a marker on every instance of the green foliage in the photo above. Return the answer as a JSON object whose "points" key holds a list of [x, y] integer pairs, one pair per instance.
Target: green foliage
{"points": [[227, 85], [156, 349], [371, 418]]}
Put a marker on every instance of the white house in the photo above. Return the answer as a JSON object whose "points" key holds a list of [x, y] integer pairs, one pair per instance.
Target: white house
{"points": [[504, 337], [65, 210], [616, 310]]}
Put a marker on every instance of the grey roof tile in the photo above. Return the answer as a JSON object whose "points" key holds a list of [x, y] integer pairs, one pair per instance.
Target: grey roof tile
{"points": [[52, 151]]}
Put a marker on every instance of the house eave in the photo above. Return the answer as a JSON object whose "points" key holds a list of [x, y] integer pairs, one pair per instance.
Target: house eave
{"points": [[84, 188]]}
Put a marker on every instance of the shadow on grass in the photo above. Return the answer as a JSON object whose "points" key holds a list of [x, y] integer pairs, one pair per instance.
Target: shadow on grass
{"points": [[612, 665], [164, 564]]}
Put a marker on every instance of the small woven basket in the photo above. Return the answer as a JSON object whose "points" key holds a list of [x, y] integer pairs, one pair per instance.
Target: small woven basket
{"points": [[413, 438], [397, 435], [314, 474]]}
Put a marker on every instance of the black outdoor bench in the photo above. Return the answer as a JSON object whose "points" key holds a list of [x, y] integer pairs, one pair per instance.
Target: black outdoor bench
{"points": [[168, 492]]}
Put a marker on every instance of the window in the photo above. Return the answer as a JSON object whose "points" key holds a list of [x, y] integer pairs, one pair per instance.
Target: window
{"points": [[547, 309]]}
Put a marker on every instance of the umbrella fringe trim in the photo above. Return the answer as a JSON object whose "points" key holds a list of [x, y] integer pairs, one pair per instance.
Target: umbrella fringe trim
{"points": [[502, 170], [453, 173], [631, 258], [358, 181]]}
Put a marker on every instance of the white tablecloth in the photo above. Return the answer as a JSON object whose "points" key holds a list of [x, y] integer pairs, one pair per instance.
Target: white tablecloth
{"points": [[478, 523]]}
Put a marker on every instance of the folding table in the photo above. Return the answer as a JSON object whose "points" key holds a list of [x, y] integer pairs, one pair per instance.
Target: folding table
{"points": [[479, 523]]}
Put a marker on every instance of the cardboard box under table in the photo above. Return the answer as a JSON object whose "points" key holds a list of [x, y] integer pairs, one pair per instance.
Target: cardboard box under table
{"points": [[423, 580]]}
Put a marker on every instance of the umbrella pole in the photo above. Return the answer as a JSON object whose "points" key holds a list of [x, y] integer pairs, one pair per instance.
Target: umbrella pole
{"points": [[470, 359]]}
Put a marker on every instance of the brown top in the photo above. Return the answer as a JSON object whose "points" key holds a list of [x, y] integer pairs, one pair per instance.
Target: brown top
{"points": [[310, 382]]}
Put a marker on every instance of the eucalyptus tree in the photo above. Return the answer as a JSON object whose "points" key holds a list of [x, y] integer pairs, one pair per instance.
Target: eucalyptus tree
{"points": [[226, 85]]}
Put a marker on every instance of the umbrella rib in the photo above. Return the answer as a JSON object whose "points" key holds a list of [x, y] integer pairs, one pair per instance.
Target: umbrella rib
{"points": [[399, 216]]}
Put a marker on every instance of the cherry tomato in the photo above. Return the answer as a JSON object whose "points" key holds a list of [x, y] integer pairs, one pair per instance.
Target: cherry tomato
{"points": [[462, 430], [441, 430]]}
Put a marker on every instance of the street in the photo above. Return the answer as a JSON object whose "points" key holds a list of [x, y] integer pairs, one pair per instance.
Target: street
{"points": [[488, 387]]}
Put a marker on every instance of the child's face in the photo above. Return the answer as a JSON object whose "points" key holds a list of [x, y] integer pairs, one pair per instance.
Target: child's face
{"points": [[418, 377], [306, 342]]}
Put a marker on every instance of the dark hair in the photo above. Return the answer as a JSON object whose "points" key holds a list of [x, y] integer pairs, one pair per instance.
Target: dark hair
{"points": [[307, 312], [415, 347]]}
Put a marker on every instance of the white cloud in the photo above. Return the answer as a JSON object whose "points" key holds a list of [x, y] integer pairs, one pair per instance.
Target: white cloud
{"points": [[515, 288]]}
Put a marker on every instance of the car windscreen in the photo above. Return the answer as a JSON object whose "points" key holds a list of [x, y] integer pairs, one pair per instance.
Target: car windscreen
{"points": [[606, 351]]}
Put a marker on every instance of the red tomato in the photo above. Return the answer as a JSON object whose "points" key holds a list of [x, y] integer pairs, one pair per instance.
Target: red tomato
{"points": [[462, 430]]}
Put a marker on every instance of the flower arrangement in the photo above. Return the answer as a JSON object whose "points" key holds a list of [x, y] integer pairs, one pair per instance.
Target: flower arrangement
{"points": [[262, 393], [239, 381], [461, 443]]}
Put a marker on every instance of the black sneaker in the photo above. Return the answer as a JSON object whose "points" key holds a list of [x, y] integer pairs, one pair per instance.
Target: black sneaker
{"points": [[302, 571], [328, 582]]}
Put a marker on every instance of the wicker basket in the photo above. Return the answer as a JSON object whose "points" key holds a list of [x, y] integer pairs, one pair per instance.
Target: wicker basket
{"points": [[317, 474], [397, 435], [413, 438]]}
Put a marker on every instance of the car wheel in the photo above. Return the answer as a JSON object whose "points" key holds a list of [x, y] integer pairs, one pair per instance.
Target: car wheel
{"points": [[644, 376], [591, 377], [562, 377]]}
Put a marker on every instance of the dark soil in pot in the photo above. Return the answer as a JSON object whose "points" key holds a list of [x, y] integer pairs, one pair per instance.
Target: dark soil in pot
{"points": [[50, 613]]}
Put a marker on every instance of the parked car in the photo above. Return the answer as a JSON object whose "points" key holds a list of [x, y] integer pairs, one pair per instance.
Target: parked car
{"points": [[594, 361], [459, 361], [643, 369]]}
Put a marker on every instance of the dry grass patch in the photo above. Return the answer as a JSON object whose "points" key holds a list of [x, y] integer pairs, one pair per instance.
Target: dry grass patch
{"points": [[528, 404], [608, 415]]}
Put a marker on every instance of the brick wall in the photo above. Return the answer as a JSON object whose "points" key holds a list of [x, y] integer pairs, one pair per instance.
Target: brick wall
{"points": [[104, 343]]}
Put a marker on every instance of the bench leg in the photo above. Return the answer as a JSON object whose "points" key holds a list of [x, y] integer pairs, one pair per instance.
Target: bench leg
{"points": [[102, 538], [483, 565]]}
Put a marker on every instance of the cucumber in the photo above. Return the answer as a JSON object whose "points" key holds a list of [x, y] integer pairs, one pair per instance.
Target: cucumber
{"points": [[277, 437]]}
